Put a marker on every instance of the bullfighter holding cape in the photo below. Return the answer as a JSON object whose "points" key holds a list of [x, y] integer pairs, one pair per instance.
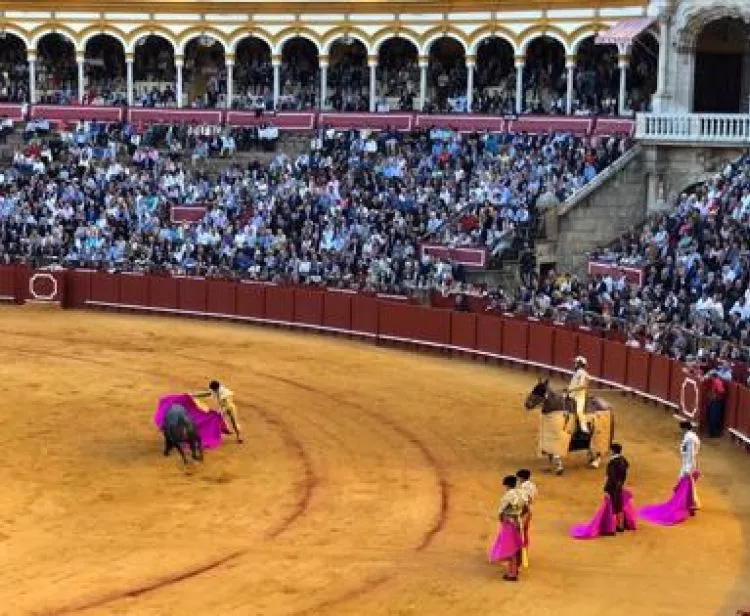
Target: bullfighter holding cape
{"points": [[225, 399]]}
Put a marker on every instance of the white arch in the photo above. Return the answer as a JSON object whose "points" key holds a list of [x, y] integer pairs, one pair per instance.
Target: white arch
{"points": [[524, 47], [279, 49], [40, 35], [488, 35], [328, 43], [114, 35], [162, 34], [427, 46], [248, 35], [389, 36], [182, 46], [576, 43], [19, 34]]}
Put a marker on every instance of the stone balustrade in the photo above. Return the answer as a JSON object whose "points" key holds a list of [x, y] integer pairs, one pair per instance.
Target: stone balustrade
{"points": [[698, 128]]}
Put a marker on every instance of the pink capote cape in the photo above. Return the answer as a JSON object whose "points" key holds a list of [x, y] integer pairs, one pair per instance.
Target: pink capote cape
{"points": [[678, 508], [210, 425], [604, 522], [508, 543]]}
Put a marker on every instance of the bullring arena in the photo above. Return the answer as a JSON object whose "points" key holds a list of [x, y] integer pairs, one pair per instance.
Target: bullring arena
{"points": [[367, 483]]}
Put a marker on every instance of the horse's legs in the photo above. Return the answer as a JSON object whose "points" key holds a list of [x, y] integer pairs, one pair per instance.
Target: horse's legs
{"points": [[558, 465]]}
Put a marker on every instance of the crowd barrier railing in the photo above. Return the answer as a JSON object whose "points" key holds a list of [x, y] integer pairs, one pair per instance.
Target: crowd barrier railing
{"points": [[386, 320], [310, 120]]}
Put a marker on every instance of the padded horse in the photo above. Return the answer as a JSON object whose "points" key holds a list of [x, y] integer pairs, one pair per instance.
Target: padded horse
{"points": [[559, 432], [179, 428]]}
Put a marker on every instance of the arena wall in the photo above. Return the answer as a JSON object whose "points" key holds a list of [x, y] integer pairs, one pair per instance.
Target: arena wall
{"points": [[389, 320]]}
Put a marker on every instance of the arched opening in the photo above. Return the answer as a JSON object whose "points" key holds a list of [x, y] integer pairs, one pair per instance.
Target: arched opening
{"points": [[722, 67], [299, 74], [205, 72], [544, 77], [447, 75], [494, 81], [643, 73], [398, 73], [14, 69], [596, 80], [154, 72], [253, 74], [106, 81], [348, 79], [57, 72]]}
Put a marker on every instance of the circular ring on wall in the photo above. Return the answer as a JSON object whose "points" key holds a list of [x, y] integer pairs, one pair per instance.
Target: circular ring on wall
{"points": [[43, 297], [694, 384]]}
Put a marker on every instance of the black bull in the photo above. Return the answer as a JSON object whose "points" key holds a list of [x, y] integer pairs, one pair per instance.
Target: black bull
{"points": [[178, 428]]}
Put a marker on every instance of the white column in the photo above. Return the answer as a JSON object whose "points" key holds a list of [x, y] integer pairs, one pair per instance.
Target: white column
{"points": [[570, 66], [373, 64], [178, 62], [520, 63], [129, 68], [276, 81], [423, 63], [323, 62], [470, 63], [230, 82], [81, 78], [32, 79], [659, 102], [623, 61]]}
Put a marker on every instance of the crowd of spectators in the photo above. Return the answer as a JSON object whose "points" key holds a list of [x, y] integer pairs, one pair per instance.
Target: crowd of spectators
{"points": [[351, 211], [694, 301]]}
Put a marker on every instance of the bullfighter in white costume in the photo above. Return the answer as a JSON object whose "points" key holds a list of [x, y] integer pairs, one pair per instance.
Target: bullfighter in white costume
{"points": [[577, 390]]}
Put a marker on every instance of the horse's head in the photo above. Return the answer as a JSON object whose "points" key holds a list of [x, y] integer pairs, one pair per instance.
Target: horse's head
{"points": [[537, 395]]}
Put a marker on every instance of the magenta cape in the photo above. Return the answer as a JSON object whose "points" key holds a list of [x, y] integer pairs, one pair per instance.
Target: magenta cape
{"points": [[678, 508], [604, 522], [209, 425], [507, 544]]}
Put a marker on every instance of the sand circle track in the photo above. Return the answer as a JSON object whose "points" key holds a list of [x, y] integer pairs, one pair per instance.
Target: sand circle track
{"points": [[367, 483]]}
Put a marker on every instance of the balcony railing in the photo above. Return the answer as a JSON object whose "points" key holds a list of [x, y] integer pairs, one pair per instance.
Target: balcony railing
{"points": [[707, 128]]}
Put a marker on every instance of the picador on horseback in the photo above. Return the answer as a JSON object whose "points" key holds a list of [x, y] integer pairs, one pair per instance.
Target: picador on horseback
{"points": [[572, 421]]}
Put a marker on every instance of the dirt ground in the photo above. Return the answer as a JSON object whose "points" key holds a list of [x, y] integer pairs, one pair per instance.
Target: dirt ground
{"points": [[367, 484]]}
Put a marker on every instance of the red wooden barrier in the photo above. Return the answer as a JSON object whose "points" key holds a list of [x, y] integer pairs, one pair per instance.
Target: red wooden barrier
{"points": [[7, 283], [591, 348], [220, 297], [162, 292], [337, 310], [280, 303], [308, 306], [565, 346], [490, 333], [515, 338], [251, 300], [638, 369], [134, 290], [105, 288], [431, 325], [78, 289], [743, 411], [676, 377], [660, 377], [365, 314], [731, 405], [464, 330], [540, 343], [614, 362], [192, 294], [42, 285]]}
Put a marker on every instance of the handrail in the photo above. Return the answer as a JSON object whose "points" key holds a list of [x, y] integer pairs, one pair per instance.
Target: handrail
{"points": [[708, 128]]}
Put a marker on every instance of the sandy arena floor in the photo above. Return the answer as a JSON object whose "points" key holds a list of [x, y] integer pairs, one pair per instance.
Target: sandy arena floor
{"points": [[367, 484]]}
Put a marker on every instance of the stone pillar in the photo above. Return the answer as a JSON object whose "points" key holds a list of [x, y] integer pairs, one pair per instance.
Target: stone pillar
{"points": [[80, 59], [32, 77], [623, 61], [520, 64], [323, 63], [276, 62], [470, 64], [129, 82], [178, 63], [661, 94], [372, 62], [570, 66], [424, 62], [230, 80]]}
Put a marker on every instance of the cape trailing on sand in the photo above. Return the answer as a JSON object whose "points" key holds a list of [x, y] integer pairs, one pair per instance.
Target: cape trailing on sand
{"points": [[210, 425]]}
